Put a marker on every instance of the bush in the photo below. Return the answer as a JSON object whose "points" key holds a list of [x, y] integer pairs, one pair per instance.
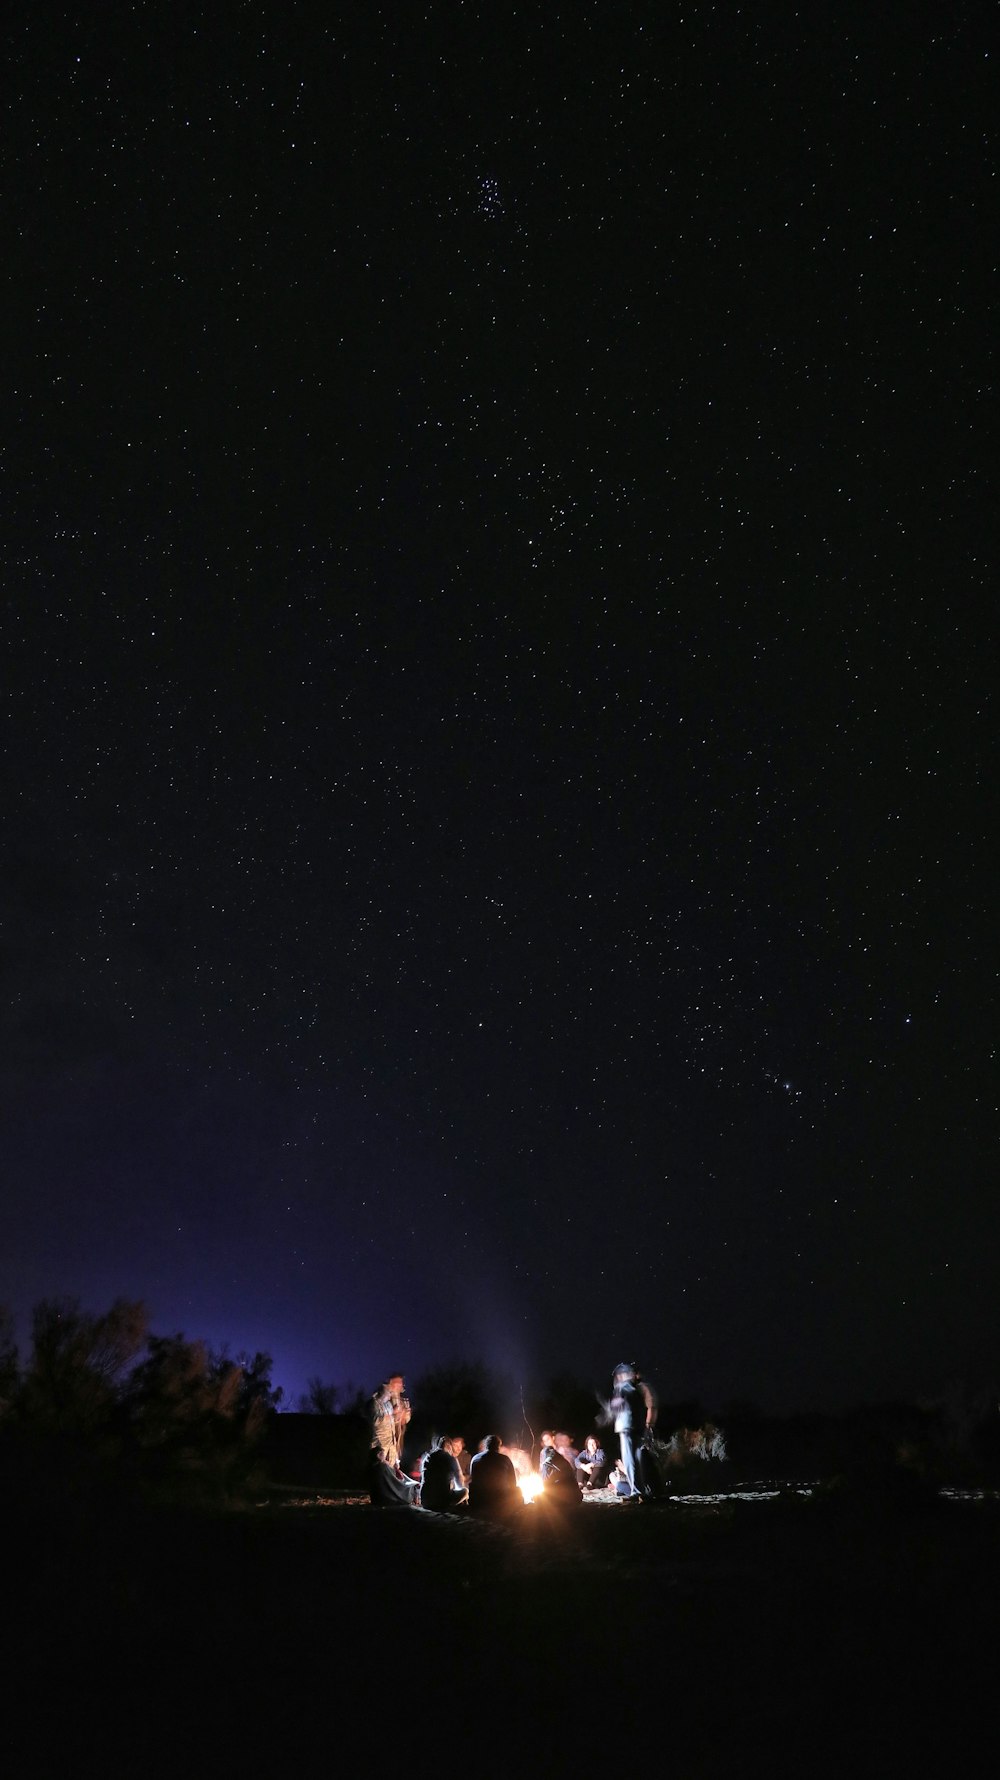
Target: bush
{"points": [[88, 1412]]}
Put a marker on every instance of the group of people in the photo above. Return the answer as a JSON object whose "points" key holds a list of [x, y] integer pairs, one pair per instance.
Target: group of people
{"points": [[487, 1481]]}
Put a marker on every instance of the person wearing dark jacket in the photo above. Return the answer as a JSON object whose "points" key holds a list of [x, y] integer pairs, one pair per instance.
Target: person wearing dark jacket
{"points": [[493, 1487], [634, 1410], [558, 1477], [441, 1486]]}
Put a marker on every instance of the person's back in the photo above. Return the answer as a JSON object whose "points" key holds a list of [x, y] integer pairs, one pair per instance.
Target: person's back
{"points": [[493, 1481]]}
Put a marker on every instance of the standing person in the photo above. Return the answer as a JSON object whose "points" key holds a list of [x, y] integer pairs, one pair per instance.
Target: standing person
{"points": [[388, 1487], [401, 1412], [634, 1409], [383, 1426]]}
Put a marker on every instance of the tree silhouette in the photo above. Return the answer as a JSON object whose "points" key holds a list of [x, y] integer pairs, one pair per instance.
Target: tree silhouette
{"points": [[197, 1417], [319, 1398], [79, 1362], [256, 1392]]}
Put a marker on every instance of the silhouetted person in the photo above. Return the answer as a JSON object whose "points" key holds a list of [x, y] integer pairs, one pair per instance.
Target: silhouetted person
{"points": [[493, 1482], [441, 1486], [634, 1410], [559, 1478]]}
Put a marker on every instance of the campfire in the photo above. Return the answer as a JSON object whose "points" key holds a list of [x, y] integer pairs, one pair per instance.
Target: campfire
{"points": [[530, 1485]]}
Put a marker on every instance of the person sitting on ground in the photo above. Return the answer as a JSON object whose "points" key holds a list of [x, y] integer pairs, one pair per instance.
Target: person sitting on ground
{"points": [[493, 1482], [619, 1482], [441, 1486], [463, 1456], [592, 1465], [564, 1444], [558, 1474]]}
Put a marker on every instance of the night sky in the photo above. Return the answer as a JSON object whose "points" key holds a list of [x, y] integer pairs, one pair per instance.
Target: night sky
{"points": [[499, 752]]}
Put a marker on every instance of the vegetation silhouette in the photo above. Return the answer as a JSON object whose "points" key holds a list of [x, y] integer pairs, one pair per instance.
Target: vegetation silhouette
{"points": [[320, 1398], [102, 1403]]}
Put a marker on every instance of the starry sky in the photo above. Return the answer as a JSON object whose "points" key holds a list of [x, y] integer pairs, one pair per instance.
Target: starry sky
{"points": [[498, 740]]}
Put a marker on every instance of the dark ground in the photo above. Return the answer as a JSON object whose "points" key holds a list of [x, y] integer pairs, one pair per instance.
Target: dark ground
{"points": [[808, 1636]]}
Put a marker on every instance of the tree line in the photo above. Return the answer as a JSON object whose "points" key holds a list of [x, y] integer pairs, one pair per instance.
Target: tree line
{"points": [[102, 1398], [101, 1395]]}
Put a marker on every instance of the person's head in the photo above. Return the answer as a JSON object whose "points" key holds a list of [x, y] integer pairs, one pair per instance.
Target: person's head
{"points": [[591, 1443], [548, 1437], [491, 1443], [394, 1384], [457, 1444], [624, 1372]]}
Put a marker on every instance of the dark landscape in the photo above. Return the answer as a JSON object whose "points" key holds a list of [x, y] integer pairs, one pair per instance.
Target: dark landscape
{"points": [[789, 1634], [201, 1587]]}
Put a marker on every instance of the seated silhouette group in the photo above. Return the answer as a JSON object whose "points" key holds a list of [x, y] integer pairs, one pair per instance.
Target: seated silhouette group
{"points": [[490, 1483]]}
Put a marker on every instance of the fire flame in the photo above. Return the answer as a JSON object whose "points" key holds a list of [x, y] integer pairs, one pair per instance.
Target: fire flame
{"points": [[530, 1485]]}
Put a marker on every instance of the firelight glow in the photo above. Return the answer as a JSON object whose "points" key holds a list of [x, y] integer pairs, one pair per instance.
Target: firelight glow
{"points": [[530, 1485]]}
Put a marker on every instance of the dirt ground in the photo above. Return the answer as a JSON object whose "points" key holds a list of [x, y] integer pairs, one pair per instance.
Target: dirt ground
{"points": [[317, 1635]]}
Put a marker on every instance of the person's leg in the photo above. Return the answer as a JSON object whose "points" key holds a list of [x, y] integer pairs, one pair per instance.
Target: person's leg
{"points": [[628, 1446]]}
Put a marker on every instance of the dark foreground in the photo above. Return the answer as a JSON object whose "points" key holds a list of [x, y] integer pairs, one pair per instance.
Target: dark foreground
{"points": [[794, 1636]]}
